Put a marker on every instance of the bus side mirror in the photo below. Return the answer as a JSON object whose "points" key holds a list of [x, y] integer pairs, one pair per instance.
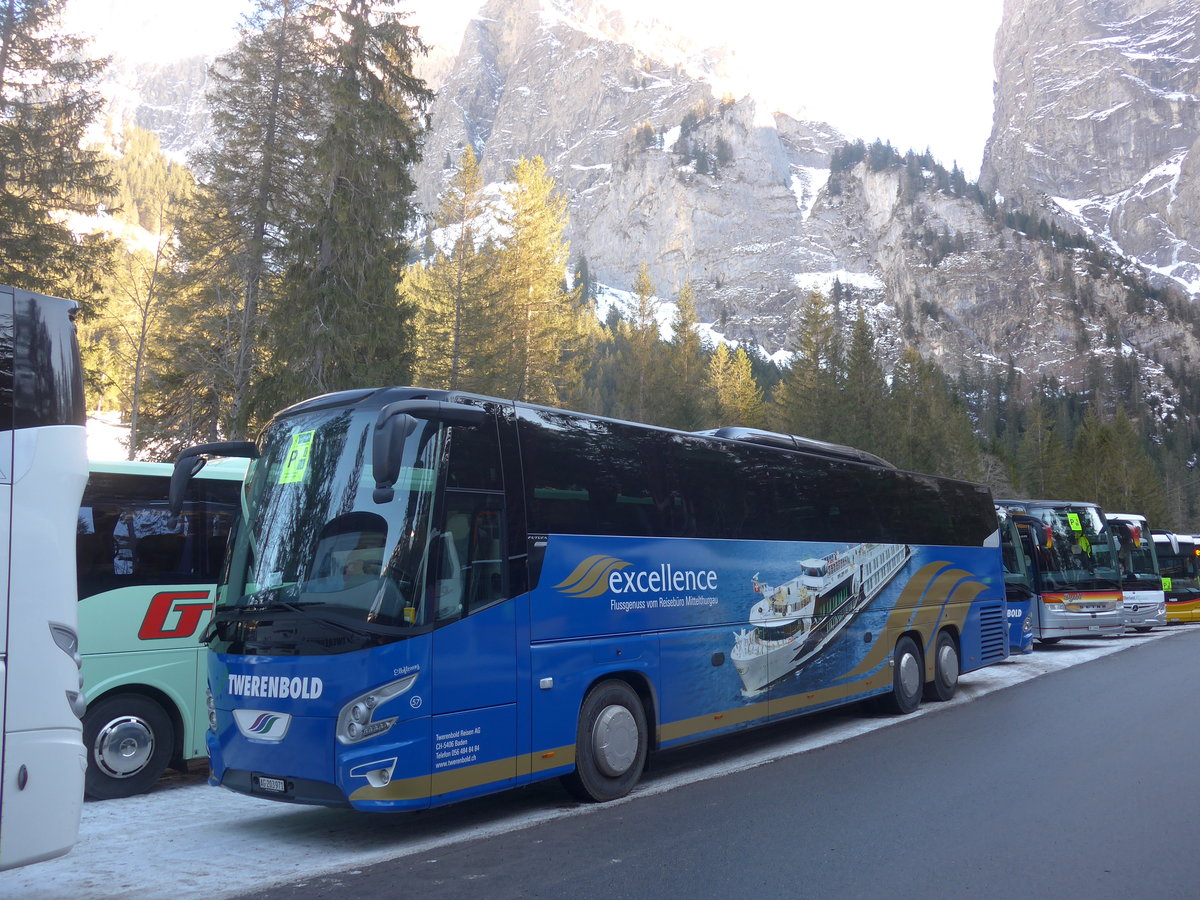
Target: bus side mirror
{"points": [[392, 428], [192, 460], [399, 420]]}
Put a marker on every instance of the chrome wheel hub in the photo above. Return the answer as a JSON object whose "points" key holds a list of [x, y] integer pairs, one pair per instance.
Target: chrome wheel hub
{"points": [[124, 746]]}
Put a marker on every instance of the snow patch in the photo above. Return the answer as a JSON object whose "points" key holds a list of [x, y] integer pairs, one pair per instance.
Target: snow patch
{"points": [[823, 281]]}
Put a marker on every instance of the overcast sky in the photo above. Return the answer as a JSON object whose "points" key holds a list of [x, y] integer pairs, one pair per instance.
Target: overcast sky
{"points": [[918, 73]]}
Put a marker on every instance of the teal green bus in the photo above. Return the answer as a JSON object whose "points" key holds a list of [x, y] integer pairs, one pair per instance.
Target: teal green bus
{"points": [[146, 580]]}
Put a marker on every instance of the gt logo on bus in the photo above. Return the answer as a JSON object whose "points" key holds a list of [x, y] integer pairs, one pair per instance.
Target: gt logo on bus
{"points": [[163, 605]]}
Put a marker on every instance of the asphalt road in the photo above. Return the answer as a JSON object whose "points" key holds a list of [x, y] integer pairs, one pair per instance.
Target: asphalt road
{"points": [[1082, 783]]}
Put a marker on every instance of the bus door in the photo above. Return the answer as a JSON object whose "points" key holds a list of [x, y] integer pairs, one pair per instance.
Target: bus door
{"points": [[1018, 586], [474, 656], [1027, 529]]}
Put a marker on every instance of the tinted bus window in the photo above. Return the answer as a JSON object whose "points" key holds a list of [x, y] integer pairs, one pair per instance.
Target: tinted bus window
{"points": [[585, 480], [127, 536]]}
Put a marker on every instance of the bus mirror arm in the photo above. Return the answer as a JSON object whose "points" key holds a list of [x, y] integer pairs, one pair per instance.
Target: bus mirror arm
{"points": [[192, 460], [396, 422]]}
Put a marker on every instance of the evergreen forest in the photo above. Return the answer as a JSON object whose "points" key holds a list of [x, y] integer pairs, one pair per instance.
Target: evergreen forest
{"points": [[288, 259]]}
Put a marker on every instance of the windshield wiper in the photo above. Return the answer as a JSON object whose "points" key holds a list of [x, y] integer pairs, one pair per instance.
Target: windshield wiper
{"points": [[307, 611]]}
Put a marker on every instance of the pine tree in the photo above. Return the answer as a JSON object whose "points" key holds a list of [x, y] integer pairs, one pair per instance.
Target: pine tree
{"points": [[639, 375], [455, 291], [540, 319], [340, 321], [1042, 458], [192, 367], [46, 105], [932, 432], [1109, 466], [864, 422], [255, 176], [805, 397], [736, 397], [1135, 483], [1092, 451], [684, 394], [583, 280]]}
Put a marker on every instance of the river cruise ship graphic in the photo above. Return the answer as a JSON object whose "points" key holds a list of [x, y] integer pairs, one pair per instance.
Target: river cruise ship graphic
{"points": [[794, 621]]}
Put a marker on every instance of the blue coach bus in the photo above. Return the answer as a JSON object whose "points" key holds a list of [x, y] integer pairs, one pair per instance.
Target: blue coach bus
{"points": [[432, 595]]}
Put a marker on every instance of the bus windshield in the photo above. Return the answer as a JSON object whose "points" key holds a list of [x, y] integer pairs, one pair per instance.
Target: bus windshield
{"points": [[1135, 553], [1074, 551], [316, 566]]}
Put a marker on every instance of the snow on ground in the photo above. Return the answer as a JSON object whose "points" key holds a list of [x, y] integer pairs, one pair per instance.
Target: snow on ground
{"points": [[187, 840]]}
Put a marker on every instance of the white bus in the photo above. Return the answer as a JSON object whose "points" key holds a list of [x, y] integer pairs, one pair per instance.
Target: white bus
{"points": [[1144, 601], [43, 468]]}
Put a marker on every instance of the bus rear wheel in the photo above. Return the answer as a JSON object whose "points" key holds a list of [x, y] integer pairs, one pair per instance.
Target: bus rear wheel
{"points": [[610, 743], [908, 679], [945, 668], [128, 739]]}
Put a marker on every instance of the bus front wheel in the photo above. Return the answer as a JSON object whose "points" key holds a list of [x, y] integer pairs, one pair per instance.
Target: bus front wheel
{"points": [[907, 678], [610, 743], [128, 739], [945, 668]]}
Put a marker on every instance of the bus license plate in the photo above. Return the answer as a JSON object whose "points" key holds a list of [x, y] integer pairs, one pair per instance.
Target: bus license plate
{"points": [[1093, 628], [267, 783]]}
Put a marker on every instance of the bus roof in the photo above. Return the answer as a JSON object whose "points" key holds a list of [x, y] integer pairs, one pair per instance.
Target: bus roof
{"points": [[1125, 517], [795, 442], [1020, 505], [386, 395]]}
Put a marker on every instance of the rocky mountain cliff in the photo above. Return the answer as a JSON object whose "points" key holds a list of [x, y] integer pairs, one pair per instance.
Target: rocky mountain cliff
{"points": [[1098, 116], [167, 99], [1097, 107], [716, 192]]}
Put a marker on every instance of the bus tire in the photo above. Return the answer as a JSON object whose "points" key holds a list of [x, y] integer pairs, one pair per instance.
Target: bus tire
{"points": [[908, 679], [945, 668], [1049, 640], [129, 741], [610, 744]]}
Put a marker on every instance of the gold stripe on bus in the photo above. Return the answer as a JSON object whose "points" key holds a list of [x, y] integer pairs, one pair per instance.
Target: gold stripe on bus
{"points": [[673, 731], [463, 778], [805, 699]]}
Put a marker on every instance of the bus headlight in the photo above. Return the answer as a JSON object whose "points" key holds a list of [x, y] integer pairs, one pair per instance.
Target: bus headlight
{"points": [[1027, 627], [356, 722], [212, 709]]}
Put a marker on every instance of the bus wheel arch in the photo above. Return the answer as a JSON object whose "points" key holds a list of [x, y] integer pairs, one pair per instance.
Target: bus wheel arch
{"points": [[130, 738], [908, 677], [612, 741], [947, 662]]}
